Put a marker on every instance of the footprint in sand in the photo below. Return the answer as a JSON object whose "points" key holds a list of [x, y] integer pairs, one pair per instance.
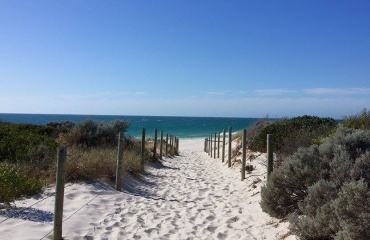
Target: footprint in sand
{"points": [[211, 229], [221, 235], [211, 218], [232, 220]]}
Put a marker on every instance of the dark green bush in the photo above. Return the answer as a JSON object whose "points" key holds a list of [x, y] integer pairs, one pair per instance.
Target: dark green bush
{"points": [[290, 134], [91, 133], [14, 183], [359, 121], [26, 142]]}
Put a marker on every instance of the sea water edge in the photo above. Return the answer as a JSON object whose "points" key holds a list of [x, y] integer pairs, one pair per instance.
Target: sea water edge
{"points": [[181, 127]]}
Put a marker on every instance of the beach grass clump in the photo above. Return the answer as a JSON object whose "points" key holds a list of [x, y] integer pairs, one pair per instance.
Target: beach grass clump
{"points": [[28, 154], [324, 189], [15, 182], [100, 163]]}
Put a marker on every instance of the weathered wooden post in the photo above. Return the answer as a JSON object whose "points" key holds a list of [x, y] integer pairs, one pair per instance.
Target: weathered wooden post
{"points": [[155, 143], [161, 146], [211, 146], [214, 147], [244, 156], [229, 157], [218, 145], [223, 146], [119, 162], [270, 156], [167, 144], [177, 146], [59, 193], [171, 144], [142, 145], [205, 144]]}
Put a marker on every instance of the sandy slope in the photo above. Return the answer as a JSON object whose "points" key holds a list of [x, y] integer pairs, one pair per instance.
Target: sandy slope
{"points": [[188, 197]]}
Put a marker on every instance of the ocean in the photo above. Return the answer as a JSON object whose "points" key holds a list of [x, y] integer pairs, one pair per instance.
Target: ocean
{"points": [[182, 127]]}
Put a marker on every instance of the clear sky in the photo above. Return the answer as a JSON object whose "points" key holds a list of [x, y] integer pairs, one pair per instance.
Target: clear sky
{"points": [[233, 58]]}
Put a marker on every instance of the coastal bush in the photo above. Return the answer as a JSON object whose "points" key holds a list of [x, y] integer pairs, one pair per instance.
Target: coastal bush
{"points": [[14, 183], [91, 133], [253, 131], [291, 134], [60, 127], [322, 188], [26, 143], [358, 121], [288, 184]]}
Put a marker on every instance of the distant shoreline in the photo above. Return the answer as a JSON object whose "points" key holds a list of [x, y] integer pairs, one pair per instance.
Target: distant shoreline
{"points": [[182, 127]]}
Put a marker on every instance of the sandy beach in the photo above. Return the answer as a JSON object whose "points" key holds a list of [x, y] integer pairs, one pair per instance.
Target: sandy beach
{"points": [[191, 196]]}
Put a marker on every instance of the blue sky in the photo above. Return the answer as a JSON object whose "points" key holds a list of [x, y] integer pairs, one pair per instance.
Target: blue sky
{"points": [[237, 58]]}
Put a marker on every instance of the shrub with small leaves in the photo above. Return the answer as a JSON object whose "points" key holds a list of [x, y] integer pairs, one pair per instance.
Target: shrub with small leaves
{"points": [[14, 183], [289, 183], [352, 208], [359, 121], [91, 133], [324, 189]]}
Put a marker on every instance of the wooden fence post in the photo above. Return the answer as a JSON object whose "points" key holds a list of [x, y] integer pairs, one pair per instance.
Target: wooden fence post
{"points": [[119, 162], [214, 147], [223, 146], [142, 145], [155, 143], [270, 156], [161, 146], [171, 144], [177, 145], [218, 145], [244, 153], [211, 147], [205, 144], [59, 193], [167, 144], [229, 157]]}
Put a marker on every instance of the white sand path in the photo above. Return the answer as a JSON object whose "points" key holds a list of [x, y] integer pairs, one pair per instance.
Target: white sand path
{"points": [[191, 196]]}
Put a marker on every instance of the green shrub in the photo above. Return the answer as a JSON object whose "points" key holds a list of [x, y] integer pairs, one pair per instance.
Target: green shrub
{"points": [[318, 220], [288, 184], [290, 134], [359, 121], [324, 189], [352, 208], [91, 133], [26, 143], [14, 183]]}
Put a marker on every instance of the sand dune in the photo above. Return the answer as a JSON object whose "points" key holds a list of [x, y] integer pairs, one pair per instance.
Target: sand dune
{"points": [[191, 196]]}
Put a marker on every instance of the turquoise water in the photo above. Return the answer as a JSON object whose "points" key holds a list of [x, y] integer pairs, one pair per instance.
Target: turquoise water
{"points": [[182, 127]]}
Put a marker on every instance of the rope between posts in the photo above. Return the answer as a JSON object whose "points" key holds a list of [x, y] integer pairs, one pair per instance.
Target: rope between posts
{"points": [[74, 212], [53, 194]]}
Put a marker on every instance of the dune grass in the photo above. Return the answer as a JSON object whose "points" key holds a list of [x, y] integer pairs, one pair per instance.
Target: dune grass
{"points": [[91, 155]]}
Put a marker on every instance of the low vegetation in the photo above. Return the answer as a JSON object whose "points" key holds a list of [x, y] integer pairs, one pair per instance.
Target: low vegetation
{"points": [[289, 134], [324, 189], [28, 154], [321, 180]]}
